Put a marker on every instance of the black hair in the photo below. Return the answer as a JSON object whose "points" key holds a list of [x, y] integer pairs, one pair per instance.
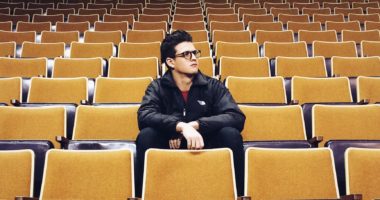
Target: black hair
{"points": [[170, 42]]}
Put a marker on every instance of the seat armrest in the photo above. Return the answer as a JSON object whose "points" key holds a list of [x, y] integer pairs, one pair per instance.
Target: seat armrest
{"points": [[63, 141], [244, 198], [315, 141], [134, 198], [26, 198], [352, 197]]}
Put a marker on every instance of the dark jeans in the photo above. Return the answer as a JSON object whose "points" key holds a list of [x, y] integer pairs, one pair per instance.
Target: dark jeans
{"points": [[226, 137]]}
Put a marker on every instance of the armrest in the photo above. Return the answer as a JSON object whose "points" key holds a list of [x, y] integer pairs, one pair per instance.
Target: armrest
{"points": [[134, 198], [294, 102], [63, 141], [352, 197], [244, 198], [26, 198], [15, 102], [315, 140], [363, 102]]}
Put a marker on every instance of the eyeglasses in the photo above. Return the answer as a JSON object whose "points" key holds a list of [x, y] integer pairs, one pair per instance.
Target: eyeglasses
{"points": [[189, 54]]}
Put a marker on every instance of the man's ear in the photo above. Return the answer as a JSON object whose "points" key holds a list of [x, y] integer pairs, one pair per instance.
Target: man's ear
{"points": [[170, 62]]}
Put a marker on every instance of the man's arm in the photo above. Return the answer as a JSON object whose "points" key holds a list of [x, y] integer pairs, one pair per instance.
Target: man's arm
{"points": [[150, 113], [226, 112]]}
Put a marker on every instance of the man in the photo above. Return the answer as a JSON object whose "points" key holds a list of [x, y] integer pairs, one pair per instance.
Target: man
{"points": [[186, 109]]}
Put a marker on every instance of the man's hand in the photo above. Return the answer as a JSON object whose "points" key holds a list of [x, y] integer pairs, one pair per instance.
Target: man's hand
{"points": [[193, 137], [175, 143]]}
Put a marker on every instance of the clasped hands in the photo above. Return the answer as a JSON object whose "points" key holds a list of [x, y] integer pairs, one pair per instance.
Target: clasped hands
{"points": [[190, 133]]}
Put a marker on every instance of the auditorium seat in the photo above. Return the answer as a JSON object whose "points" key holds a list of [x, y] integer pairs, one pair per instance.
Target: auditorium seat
{"points": [[6, 26], [156, 11], [18, 37], [362, 172], [253, 26], [139, 50], [26, 68], [199, 36], [148, 26], [346, 122], [320, 90], [120, 90], [288, 49], [273, 123], [44, 6], [144, 36], [214, 178], [288, 67], [92, 18], [53, 19], [348, 11], [60, 36], [188, 26], [230, 36], [97, 5], [103, 37], [187, 18], [236, 49], [296, 174], [58, 90], [92, 50], [312, 11], [253, 90], [11, 88], [153, 18], [106, 123], [112, 168], [323, 18], [204, 47], [251, 11], [77, 67], [38, 123], [126, 11], [287, 11], [18, 173], [30, 12], [226, 26], [370, 48], [206, 66], [7, 49], [119, 18], [223, 17], [243, 67], [91, 12], [244, 4], [359, 36], [308, 26], [273, 36], [257, 18], [112, 26], [353, 67], [57, 11], [340, 26], [368, 89], [14, 18], [76, 6], [81, 27], [47, 50], [133, 67], [362, 18], [211, 11]]}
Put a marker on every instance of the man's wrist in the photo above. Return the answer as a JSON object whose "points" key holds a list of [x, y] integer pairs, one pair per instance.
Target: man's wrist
{"points": [[180, 126]]}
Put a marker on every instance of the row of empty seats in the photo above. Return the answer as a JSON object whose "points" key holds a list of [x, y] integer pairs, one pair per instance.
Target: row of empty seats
{"points": [[288, 169]]}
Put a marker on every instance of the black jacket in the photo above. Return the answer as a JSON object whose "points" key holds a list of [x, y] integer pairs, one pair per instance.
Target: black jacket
{"points": [[209, 102]]}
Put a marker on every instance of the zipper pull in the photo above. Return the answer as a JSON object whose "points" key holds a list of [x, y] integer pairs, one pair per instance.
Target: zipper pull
{"points": [[184, 112]]}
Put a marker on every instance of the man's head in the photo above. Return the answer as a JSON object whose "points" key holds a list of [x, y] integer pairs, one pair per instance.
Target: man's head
{"points": [[179, 53]]}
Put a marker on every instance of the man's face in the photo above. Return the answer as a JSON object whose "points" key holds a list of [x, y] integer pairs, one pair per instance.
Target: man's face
{"points": [[185, 62]]}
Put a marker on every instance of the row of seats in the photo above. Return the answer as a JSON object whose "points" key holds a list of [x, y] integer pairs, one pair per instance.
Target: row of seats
{"points": [[289, 170], [232, 58], [298, 90], [265, 122]]}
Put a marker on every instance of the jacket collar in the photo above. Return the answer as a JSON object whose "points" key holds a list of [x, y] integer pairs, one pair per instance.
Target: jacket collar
{"points": [[198, 80]]}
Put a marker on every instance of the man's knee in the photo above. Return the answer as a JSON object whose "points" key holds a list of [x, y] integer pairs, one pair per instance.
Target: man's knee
{"points": [[148, 137], [230, 135]]}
